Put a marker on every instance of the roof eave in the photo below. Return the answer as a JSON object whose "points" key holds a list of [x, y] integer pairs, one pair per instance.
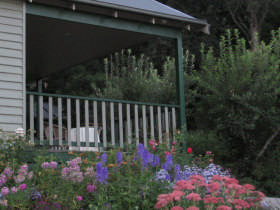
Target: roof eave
{"points": [[139, 15]]}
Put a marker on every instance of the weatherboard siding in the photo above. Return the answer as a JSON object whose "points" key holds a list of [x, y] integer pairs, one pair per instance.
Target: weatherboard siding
{"points": [[12, 64]]}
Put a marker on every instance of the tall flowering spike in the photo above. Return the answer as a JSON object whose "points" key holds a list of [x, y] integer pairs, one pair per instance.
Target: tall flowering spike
{"points": [[119, 157], [151, 157], [168, 164], [140, 151], [145, 158], [101, 173], [156, 161], [177, 171], [104, 158]]}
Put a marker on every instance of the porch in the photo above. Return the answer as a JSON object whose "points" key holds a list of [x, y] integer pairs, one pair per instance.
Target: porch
{"points": [[88, 124]]}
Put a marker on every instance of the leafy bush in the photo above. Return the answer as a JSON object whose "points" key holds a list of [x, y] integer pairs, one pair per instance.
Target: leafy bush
{"points": [[236, 95]]}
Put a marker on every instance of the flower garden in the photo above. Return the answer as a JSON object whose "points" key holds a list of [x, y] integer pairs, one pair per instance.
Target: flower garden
{"points": [[156, 177]]}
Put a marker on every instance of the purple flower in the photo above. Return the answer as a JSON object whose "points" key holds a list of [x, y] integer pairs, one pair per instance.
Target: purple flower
{"points": [[168, 164], [53, 164], [5, 191], [8, 172], [79, 198], [145, 158], [103, 158], [101, 173], [45, 165], [177, 171], [36, 195], [140, 151], [22, 187], [119, 157], [90, 188], [156, 161]]}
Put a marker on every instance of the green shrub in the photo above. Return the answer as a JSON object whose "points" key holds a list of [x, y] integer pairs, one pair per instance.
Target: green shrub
{"points": [[237, 94]]}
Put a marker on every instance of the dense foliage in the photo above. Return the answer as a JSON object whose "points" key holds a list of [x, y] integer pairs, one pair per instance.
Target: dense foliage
{"points": [[237, 96]]}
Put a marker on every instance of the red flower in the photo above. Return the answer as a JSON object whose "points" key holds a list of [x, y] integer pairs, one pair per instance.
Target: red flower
{"points": [[189, 150], [167, 153]]}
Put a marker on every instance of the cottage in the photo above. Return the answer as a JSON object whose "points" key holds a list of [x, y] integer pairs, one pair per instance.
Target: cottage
{"points": [[38, 37]]}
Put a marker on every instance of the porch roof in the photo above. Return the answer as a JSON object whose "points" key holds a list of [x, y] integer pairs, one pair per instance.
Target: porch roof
{"points": [[150, 11], [148, 7]]}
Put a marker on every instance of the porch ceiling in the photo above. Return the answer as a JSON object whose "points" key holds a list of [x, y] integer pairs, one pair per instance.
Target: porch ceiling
{"points": [[54, 45]]}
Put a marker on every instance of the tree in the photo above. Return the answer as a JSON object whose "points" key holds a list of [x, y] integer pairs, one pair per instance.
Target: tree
{"points": [[249, 17]]}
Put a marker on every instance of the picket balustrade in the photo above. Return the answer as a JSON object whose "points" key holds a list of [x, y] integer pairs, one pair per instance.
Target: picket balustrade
{"points": [[82, 123]]}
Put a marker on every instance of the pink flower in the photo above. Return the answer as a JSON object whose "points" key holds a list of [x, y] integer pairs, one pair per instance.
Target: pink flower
{"points": [[30, 175], [214, 186], [208, 152], [8, 172], [163, 200], [176, 208], [79, 198], [178, 131], [151, 143], [19, 178], [90, 188], [242, 203], [177, 195], [14, 189], [193, 197], [5, 191], [154, 148], [23, 170], [192, 208], [214, 200], [229, 180], [217, 178], [198, 180], [184, 185], [53, 164], [189, 150], [22, 187], [249, 187], [174, 143], [223, 208], [167, 153], [45, 165]]}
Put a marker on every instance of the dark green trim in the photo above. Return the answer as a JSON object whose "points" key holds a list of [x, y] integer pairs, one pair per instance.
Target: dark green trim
{"points": [[102, 21], [100, 99], [180, 80]]}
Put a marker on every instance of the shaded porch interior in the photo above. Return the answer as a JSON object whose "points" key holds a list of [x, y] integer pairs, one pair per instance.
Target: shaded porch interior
{"points": [[55, 45]]}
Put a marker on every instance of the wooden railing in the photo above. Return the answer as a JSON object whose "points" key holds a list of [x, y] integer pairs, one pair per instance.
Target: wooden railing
{"points": [[81, 122]]}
